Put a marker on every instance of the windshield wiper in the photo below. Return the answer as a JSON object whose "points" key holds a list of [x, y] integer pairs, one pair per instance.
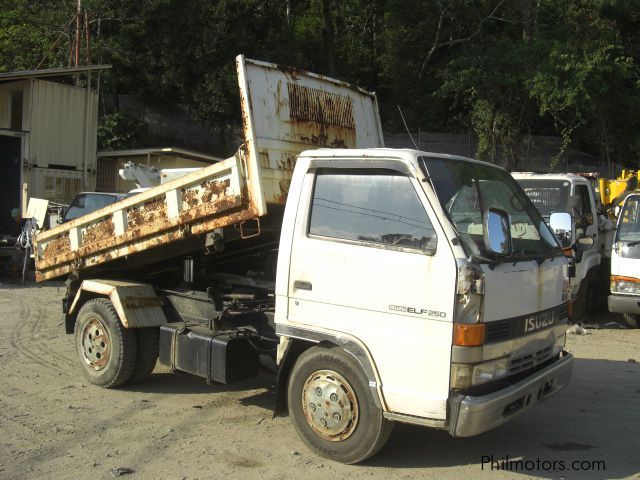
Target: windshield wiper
{"points": [[632, 244]]}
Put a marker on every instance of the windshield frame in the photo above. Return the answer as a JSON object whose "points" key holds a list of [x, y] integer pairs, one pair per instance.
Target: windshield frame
{"points": [[549, 247]]}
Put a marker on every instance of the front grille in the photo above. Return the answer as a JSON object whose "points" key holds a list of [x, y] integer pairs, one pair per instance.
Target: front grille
{"points": [[526, 362], [498, 331], [509, 328]]}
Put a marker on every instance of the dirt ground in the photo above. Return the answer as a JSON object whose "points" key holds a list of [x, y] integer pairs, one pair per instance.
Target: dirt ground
{"points": [[54, 425]]}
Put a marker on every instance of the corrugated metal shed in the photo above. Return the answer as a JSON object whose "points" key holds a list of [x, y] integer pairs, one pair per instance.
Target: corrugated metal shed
{"points": [[56, 124]]}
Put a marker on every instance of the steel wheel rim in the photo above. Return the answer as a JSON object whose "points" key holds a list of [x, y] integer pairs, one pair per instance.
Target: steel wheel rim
{"points": [[330, 405], [95, 344]]}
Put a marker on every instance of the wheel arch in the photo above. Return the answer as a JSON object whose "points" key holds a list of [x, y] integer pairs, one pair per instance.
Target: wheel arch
{"points": [[299, 340], [136, 304]]}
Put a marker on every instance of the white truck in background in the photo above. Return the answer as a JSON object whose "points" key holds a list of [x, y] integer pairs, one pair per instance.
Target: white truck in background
{"points": [[625, 263], [567, 192], [410, 286]]}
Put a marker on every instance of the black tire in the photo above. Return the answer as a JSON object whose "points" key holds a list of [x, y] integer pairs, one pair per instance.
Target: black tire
{"points": [[148, 349], [632, 320], [360, 431], [107, 351]]}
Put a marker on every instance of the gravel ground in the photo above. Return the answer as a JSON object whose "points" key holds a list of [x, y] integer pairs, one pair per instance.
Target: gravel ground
{"points": [[54, 425]]}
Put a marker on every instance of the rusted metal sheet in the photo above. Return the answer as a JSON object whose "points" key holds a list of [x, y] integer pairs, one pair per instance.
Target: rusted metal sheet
{"points": [[284, 112]]}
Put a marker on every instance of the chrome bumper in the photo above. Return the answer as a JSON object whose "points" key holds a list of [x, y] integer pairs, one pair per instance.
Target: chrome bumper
{"points": [[624, 304], [474, 415]]}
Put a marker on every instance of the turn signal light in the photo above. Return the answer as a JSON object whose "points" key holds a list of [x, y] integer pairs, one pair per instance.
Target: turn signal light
{"points": [[468, 335], [621, 278]]}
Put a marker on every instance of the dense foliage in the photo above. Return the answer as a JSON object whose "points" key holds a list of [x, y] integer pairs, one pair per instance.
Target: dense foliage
{"points": [[505, 68]]}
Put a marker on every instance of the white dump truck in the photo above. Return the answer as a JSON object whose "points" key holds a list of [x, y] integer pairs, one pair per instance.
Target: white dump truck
{"points": [[401, 292]]}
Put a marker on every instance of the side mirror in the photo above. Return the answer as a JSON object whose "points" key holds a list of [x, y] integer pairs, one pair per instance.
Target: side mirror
{"points": [[497, 232], [584, 243], [562, 226]]}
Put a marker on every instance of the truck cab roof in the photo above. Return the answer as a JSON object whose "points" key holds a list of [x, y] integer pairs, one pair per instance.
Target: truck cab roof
{"points": [[571, 177], [407, 154]]}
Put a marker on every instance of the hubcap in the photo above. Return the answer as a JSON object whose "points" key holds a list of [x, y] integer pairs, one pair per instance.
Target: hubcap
{"points": [[330, 405], [96, 344]]}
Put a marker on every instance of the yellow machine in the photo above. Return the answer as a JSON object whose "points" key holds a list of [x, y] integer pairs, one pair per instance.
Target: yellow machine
{"points": [[613, 190]]}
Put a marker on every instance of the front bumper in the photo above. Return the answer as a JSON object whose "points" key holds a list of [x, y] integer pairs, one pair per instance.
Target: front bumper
{"points": [[624, 303], [474, 415]]}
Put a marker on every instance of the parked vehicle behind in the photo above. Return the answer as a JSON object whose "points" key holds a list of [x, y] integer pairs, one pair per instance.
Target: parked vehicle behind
{"points": [[566, 192], [625, 263], [86, 202]]}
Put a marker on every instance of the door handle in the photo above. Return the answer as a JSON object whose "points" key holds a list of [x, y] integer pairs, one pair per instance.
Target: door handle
{"points": [[300, 285]]}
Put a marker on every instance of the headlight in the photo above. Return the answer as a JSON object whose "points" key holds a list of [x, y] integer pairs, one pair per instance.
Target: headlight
{"points": [[625, 285], [467, 375]]}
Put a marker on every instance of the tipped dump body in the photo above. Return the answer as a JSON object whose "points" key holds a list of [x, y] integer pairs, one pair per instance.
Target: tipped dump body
{"points": [[284, 111]]}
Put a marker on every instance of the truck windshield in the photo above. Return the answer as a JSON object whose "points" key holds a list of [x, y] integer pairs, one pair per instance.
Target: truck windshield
{"points": [[628, 230], [466, 190], [547, 195]]}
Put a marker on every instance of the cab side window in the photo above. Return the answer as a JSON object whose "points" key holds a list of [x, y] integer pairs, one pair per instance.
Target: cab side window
{"points": [[583, 213], [376, 207]]}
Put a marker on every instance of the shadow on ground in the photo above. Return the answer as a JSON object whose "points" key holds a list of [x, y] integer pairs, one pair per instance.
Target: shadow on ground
{"points": [[596, 418]]}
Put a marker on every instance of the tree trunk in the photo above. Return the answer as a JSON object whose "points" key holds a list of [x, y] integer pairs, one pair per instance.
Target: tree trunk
{"points": [[328, 35], [529, 15]]}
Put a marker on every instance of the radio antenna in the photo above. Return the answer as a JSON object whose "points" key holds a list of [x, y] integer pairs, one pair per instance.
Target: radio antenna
{"points": [[407, 128]]}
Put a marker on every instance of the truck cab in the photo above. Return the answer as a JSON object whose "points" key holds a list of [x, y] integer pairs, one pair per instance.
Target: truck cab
{"points": [[566, 192], [438, 278]]}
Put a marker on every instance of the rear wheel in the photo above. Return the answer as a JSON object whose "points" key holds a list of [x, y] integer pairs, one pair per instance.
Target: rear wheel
{"points": [[632, 320], [107, 350], [332, 408]]}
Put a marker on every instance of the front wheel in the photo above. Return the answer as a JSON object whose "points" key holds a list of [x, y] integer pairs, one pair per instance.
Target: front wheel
{"points": [[107, 351], [332, 408]]}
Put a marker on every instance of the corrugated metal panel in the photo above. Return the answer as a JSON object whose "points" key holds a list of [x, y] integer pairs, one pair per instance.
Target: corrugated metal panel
{"points": [[61, 117]]}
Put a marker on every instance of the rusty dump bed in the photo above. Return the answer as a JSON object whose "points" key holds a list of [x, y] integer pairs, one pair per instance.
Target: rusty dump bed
{"points": [[284, 111]]}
